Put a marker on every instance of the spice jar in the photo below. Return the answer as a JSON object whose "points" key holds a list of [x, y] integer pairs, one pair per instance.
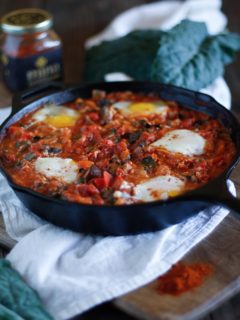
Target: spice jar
{"points": [[31, 52]]}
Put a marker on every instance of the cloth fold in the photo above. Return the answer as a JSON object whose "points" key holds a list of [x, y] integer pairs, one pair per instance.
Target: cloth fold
{"points": [[73, 272]]}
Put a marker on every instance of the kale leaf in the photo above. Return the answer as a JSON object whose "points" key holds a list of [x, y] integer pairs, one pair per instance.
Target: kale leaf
{"points": [[16, 296], [185, 55], [229, 44], [202, 69], [6, 314], [132, 54], [176, 48], [202, 65]]}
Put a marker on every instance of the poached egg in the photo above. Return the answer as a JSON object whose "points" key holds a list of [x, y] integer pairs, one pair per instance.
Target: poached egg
{"points": [[57, 116], [141, 108], [158, 188], [183, 141], [63, 169]]}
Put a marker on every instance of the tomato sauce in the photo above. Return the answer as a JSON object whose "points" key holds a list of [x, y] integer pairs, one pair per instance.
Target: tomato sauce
{"points": [[113, 150]]}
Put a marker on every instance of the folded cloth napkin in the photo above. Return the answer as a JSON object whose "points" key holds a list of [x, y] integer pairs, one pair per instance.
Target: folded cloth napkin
{"points": [[73, 272]]}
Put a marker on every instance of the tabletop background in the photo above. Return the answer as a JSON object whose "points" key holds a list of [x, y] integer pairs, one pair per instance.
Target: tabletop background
{"points": [[75, 21]]}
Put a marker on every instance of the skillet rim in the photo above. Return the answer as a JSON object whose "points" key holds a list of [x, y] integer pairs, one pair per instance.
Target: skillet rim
{"points": [[188, 196]]}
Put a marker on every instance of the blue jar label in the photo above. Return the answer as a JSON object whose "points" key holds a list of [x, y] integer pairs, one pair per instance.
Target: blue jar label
{"points": [[22, 73]]}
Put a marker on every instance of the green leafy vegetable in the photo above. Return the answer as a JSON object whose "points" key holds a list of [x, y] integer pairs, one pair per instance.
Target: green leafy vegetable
{"points": [[201, 70], [149, 163], [185, 55], [132, 54], [177, 47], [16, 296], [229, 44], [6, 314], [196, 65]]}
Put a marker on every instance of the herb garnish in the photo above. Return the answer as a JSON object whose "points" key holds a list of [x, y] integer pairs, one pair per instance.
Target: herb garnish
{"points": [[149, 163]]}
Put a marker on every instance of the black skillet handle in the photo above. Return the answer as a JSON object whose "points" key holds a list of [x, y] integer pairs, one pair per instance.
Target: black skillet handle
{"points": [[20, 99], [228, 200], [217, 192]]}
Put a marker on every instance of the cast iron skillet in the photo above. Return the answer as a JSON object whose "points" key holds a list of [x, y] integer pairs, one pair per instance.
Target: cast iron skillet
{"points": [[128, 219]]}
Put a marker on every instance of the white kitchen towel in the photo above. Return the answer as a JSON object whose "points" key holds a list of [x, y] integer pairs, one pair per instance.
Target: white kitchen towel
{"points": [[73, 272]]}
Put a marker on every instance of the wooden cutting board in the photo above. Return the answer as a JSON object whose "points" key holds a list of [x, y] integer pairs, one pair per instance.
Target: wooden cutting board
{"points": [[222, 249]]}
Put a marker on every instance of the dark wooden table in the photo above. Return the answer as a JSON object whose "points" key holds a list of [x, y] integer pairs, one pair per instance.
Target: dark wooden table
{"points": [[75, 21]]}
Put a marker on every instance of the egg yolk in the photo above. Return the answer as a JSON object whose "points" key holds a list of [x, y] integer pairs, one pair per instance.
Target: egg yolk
{"points": [[140, 107], [61, 121], [174, 193]]}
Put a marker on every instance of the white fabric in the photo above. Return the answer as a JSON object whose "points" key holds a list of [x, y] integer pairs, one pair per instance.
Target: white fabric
{"points": [[73, 272], [164, 15]]}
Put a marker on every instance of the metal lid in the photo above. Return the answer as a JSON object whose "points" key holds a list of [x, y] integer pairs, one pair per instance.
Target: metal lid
{"points": [[27, 20]]}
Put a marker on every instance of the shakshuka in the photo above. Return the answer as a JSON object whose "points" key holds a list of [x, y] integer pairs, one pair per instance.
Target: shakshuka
{"points": [[116, 148]]}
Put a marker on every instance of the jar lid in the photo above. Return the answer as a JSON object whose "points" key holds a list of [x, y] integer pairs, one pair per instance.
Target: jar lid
{"points": [[27, 20]]}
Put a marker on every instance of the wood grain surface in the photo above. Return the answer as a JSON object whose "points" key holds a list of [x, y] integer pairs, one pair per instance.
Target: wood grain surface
{"points": [[75, 21], [218, 250]]}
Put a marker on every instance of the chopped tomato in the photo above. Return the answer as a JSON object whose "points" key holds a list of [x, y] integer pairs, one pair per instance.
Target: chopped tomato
{"points": [[19, 133], [85, 164], [120, 172], [9, 159], [94, 116], [104, 181], [202, 165], [122, 150], [187, 123], [78, 198], [117, 181], [25, 136], [87, 190], [12, 130]]}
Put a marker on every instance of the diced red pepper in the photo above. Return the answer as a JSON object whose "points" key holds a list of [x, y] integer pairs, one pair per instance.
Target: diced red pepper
{"points": [[187, 123], [104, 181], [117, 181], [148, 137], [99, 183], [202, 165], [85, 164], [9, 159], [94, 116], [87, 190], [19, 133], [122, 150], [77, 198], [14, 129], [107, 178], [120, 172], [25, 136]]}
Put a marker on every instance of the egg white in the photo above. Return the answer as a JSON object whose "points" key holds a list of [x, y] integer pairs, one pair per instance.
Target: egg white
{"points": [[141, 108], [64, 169], [58, 116], [157, 188], [124, 190], [183, 141]]}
